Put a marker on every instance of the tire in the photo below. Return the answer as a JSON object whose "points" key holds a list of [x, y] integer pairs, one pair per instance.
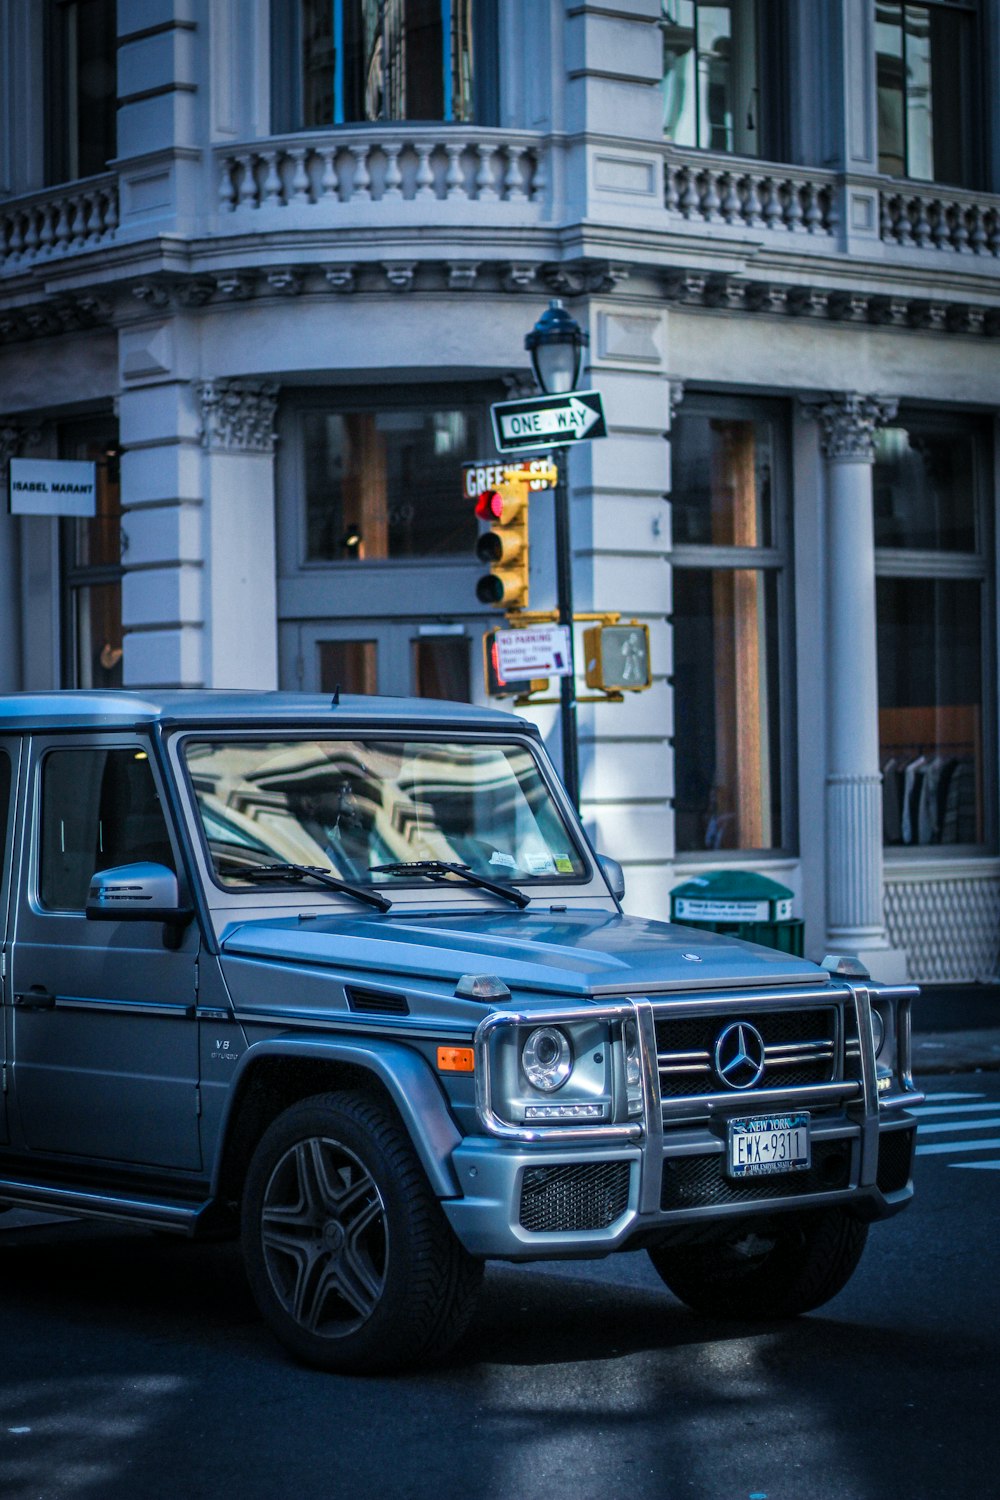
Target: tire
{"points": [[350, 1259], [795, 1265]]}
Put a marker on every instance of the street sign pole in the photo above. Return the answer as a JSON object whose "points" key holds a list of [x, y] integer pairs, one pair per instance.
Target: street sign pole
{"points": [[564, 601]]}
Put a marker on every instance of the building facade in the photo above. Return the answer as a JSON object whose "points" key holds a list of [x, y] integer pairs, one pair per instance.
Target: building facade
{"points": [[268, 262]]}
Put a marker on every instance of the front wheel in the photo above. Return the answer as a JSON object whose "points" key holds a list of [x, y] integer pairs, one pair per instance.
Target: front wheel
{"points": [[349, 1257], [796, 1264]]}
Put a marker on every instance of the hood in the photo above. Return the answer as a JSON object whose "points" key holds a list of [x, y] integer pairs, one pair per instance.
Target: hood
{"points": [[576, 954]]}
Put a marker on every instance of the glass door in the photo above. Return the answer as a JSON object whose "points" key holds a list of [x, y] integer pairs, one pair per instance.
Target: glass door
{"points": [[397, 659]]}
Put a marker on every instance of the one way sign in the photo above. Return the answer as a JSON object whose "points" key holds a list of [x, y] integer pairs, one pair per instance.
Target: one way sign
{"points": [[548, 421]]}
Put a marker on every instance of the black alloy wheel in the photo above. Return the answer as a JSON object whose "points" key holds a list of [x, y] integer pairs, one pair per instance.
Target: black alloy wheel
{"points": [[349, 1257]]}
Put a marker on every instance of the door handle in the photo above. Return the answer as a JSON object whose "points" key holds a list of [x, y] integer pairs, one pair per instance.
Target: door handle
{"points": [[36, 998]]}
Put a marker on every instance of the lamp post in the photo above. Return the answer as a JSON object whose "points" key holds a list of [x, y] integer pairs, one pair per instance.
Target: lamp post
{"points": [[556, 345]]}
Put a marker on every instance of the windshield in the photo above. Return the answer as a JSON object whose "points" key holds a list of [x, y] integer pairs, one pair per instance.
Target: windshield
{"points": [[349, 806]]}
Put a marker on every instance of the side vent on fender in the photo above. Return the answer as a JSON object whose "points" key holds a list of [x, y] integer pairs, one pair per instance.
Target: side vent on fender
{"points": [[375, 1002]]}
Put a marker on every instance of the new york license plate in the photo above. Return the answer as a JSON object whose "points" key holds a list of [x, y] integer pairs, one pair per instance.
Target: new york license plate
{"points": [[768, 1143]]}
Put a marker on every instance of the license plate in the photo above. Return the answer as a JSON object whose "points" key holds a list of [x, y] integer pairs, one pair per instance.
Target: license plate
{"points": [[767, 1144]]}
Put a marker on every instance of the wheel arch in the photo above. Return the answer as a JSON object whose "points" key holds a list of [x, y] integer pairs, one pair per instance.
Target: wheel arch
{"points": [[276, 1074]]}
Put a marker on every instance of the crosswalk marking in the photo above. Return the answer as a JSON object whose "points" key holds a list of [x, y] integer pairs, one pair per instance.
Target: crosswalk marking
{"points": [[938, 1147], [952, 1109], [941, 1127], [954, 1113]]}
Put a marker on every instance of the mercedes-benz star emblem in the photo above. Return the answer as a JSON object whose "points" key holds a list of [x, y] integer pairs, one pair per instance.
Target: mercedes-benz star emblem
{"points": [[738, 1057]]}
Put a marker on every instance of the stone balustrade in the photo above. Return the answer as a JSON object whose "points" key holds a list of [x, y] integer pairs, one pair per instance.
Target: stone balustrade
{"points": [[57, 222], [932, 219], [382, 166], [705, 189]]}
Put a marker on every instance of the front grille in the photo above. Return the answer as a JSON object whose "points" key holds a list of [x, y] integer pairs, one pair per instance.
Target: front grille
{"points": [[589, 1195], [701, 1182], [895, 1156], [800, 1048]]}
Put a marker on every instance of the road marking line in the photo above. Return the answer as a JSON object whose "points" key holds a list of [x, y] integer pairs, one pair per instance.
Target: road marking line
{"points": [[940, 1127], [985, 1166], [941, 1146], [952, 1109], [955, 1096]]}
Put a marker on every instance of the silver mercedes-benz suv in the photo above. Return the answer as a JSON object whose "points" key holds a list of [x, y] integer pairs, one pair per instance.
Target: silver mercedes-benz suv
{"points": [[346, 979]]}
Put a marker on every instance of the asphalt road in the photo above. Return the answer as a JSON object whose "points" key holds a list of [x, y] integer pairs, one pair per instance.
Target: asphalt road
{"points": [[134, 1365]]}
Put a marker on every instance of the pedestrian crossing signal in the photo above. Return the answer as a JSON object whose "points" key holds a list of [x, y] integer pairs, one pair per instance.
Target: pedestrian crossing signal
{"points": [[617, 658]]}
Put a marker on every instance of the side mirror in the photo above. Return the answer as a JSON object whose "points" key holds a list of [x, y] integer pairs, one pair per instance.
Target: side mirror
{"points": [[614, 875], [143, 892]]}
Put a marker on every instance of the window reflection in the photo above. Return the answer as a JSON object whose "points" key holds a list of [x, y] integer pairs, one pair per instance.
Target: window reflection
{"points": [[348, 806], [727, 722], [711, 83], [722, 483], [930, 710], [388, 60], [925, 490], [384, 484], [726, 591], [926, 90]]}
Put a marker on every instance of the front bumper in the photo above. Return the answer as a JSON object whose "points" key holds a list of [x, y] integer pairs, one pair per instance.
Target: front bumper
{"points": [[534, 1199]]}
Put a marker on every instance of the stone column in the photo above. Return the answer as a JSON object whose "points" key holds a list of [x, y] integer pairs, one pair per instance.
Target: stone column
{"points": [[855, 918], [240, 590]]}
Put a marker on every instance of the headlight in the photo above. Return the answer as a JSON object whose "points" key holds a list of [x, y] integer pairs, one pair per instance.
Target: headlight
{"points": [[878, 1030], [561, 1068], [547, 1059]]}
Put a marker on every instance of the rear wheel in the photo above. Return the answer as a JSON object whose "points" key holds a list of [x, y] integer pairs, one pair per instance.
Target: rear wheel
{"points": [[796, 1264], [348, 1254]]}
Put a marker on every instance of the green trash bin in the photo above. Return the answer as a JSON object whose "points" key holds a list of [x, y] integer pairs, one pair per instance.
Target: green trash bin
{"points": [[742, 903]]}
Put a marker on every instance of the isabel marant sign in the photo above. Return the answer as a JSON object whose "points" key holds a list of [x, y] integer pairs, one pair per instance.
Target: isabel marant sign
{"points": [[52, 487]]}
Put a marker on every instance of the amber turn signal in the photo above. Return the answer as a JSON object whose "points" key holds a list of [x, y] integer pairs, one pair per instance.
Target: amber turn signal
{"points": [[456, 1060]]}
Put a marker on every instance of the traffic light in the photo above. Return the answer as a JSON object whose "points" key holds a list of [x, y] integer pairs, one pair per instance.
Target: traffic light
{"points": [[504, 546], [617, 658], [503, 687]]}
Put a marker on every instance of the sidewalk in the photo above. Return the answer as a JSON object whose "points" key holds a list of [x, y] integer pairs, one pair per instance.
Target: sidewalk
{"points": [[956, 1029]]}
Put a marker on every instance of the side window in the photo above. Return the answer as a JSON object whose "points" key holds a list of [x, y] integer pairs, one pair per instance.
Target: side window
{"points": [[99, 808]]}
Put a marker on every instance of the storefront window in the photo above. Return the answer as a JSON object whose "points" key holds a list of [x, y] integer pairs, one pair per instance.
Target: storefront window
{"points": [[344, 61], [81, 115], [722, 75], [92, 570], [730, 677], [927, 107], [933, 601], [925, 490], [386, 484]]}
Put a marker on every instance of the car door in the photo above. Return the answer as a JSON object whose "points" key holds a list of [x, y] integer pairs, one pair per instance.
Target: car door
{"points": [[104, 1041], [9, 749]]}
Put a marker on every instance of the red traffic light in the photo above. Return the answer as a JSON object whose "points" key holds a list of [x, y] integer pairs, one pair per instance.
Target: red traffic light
{"points": [[489, 506]]}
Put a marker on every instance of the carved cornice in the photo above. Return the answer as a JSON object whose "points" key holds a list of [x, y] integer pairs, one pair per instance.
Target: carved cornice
{"points": [[582, 278], [237, 416], [848, 422], [725, 292]]}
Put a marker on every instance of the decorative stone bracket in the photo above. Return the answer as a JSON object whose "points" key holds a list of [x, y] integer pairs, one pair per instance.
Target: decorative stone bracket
{"points": [[237, 416]]}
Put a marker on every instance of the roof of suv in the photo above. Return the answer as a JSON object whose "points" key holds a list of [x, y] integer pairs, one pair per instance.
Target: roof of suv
{"points": [[82, 709]]}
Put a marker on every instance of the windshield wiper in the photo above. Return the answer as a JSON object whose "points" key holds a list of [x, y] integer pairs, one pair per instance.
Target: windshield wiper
{"points": [[442, 867], [314, 872]]}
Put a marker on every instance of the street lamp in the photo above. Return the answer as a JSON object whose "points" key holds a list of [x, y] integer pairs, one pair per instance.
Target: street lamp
{"points": [[556, 345]]}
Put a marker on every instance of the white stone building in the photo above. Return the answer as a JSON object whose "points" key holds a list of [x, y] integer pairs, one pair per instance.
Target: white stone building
{"points": [[269, 261]]}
